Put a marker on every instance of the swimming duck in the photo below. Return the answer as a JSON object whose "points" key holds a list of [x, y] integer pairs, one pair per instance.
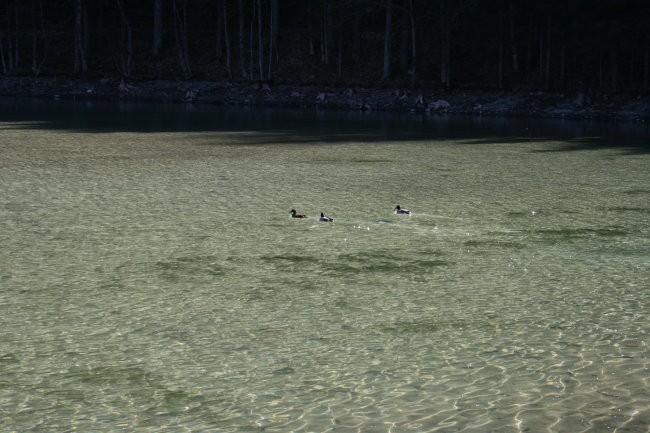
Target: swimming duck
{"points": [[325, 218], [294, 214], [400, 211]]}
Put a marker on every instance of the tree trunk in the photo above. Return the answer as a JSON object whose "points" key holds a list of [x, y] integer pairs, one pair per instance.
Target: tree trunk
{"points": [[500, 67], [540, 66], [404, 42], [250, 43], [242, 62], [530, 44], [600, 70], [325, 33], [413, 71], [562, 66], [340, 54], [2, 55], [180, 31], [445, 46], [646, 63], [157, 27], [126, 62], [34, 39], [547, 68], [17, 38], [513, 40], [38, 34], [356, 39], [260, 39], [310, 32], [80, 65], [388, 40], [614, 67], [273, 36], [86, 31], [226, 36], [10, 56], [218, 43]]}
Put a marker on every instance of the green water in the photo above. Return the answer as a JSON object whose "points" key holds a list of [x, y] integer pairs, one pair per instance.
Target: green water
{"points": [[152, 280]]}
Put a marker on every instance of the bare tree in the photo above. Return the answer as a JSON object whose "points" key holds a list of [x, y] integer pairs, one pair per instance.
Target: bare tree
{"points": [[445, 45], [356, 38], [501, 23], [39, 37], [157, 26], [12, 35], [325, 33], [260, 40], [646, 63], [2, 55], [388, 31], [242, 61], [219, 33], [250, 42], [226, 36], [180, 31], [80, 64], [310, 31], [414, 63], [500, 66], [273, 35], [562, 65], [547, 66], [450, 13], [126, 60], [16, 37], [9, 63], [613, 55], [513, 40], [404, 40]]}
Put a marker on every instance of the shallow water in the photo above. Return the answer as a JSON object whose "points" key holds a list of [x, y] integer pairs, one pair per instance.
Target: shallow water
{"points": [[152, 280]]}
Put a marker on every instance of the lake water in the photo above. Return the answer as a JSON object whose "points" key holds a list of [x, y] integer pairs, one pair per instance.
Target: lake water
{"points": [[152, 280]]}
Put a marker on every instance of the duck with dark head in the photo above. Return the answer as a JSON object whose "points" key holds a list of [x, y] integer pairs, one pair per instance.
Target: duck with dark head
{"points": [[295, 214], [400, 211]]}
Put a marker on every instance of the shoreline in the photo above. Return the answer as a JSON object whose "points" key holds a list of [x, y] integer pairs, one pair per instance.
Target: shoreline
{"points": [[607, 107]]}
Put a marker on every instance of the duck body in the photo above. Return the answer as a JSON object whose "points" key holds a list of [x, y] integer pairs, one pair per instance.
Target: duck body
{"points": [[400, 211], [325, 218], [295, 214]]}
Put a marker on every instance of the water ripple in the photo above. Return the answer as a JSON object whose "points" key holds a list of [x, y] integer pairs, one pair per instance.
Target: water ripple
{"points": [[151, 282]]}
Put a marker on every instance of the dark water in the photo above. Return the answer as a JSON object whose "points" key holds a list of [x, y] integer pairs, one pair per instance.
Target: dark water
{"points": [[315, 125]]}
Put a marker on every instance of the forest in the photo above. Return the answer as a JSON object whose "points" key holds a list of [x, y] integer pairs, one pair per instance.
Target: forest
{"points": [[553, 45]]}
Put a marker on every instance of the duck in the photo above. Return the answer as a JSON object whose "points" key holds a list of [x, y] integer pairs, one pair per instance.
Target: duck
{"points": [[400, 211], [325, 218], [294, 214]]}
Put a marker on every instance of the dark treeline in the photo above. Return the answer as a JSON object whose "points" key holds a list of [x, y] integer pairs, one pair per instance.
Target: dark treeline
{"points": [[509, 44]]}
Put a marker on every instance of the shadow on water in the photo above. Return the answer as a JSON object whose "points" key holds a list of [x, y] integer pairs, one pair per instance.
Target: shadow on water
{"points": [[628, 144], [287, 126], [613, 138]]}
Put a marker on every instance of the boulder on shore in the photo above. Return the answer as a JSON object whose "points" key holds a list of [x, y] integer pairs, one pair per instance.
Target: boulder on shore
{"points": [[480, 102]]}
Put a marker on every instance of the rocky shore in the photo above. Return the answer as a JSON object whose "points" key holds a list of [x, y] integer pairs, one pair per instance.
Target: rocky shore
{"points": [[580, 105]]}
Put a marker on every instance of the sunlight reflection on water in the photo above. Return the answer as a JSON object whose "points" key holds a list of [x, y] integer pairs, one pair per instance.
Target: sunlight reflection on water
{"points": [[154, 281]]}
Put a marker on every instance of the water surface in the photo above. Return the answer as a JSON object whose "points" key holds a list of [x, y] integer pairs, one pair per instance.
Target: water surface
{"points": [[152, 280]]}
